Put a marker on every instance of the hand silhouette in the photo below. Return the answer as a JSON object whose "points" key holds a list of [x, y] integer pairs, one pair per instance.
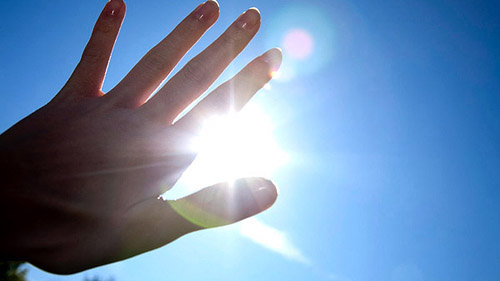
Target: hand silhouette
{"points": [[83, 174]]}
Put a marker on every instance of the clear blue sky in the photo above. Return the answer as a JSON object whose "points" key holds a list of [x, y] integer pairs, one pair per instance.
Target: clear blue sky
{"points": [[392, 123]]}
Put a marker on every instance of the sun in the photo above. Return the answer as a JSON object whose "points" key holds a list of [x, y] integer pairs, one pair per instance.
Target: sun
{"points": [[234, 146]]}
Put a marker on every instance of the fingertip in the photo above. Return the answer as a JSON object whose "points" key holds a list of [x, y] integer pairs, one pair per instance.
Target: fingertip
{"points": [[216, 7], [279, 50], [115, 8], [273, 58], [249, 20], [124, 6], [254, 13], [257, 15], [215, 2], [207, 11], [263, 191], [255, 9]]}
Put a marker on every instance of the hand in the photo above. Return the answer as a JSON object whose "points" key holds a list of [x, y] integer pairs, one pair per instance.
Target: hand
{"points": [[83, 174]]}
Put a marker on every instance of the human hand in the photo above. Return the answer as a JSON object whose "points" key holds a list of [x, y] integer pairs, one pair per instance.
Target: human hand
{"points": [[83, 174]]}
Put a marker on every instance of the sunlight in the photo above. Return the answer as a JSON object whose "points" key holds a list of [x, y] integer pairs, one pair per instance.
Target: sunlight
{"points": [[235, 146]]}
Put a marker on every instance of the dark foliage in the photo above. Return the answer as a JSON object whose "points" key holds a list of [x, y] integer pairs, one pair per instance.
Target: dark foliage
{"points": [[12, 271]]}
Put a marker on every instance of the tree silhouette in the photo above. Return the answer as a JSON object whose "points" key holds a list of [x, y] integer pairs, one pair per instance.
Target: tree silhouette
{"points": [[12, 271], [15, 271]]}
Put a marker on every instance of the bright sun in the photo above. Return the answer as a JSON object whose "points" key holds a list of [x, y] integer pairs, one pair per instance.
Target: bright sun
{"points": [[234, 146]]}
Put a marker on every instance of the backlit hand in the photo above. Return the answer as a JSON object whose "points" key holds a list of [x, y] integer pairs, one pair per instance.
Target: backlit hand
{"points": [[82, 175]]}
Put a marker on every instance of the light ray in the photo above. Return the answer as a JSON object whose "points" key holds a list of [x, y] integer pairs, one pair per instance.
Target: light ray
{"points": [[272, 239]]}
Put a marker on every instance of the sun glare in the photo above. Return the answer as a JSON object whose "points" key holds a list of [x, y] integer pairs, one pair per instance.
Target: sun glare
{"points": [[234, 146]]}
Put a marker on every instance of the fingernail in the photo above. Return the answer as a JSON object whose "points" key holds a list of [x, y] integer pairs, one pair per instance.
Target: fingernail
{"points": [[264, 194], [248, 19], [273, 58], [207, 10], [113, 7]]}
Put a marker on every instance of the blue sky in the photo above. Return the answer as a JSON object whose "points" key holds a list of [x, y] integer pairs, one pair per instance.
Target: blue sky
{"points": [[391, 121]]}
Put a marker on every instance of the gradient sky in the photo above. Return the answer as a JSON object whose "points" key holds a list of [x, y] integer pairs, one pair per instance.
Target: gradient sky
{"points": [[389, 112]]}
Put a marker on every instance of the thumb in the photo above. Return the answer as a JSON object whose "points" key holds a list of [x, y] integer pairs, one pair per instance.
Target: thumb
{"points": [[226, 203], [155, 222]]}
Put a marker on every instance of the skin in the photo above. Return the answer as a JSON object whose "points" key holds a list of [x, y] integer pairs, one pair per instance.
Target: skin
{"points": [[83, 174]]}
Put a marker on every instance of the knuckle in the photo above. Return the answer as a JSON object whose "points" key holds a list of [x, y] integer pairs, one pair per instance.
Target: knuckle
{"points": [[250, 81], [104, 27], [155, 60], [195, 71], [235, 37], [263, 72], [257, 75], [192, 25], [92, 55]]}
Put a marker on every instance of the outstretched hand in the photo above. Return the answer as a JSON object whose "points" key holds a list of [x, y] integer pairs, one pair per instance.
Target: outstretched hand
{"points": [[83, 174]]}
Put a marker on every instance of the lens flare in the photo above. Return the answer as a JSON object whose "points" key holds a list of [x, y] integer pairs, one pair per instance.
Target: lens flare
{"points": [[298, 43], [306, 33], [275, 74]]}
